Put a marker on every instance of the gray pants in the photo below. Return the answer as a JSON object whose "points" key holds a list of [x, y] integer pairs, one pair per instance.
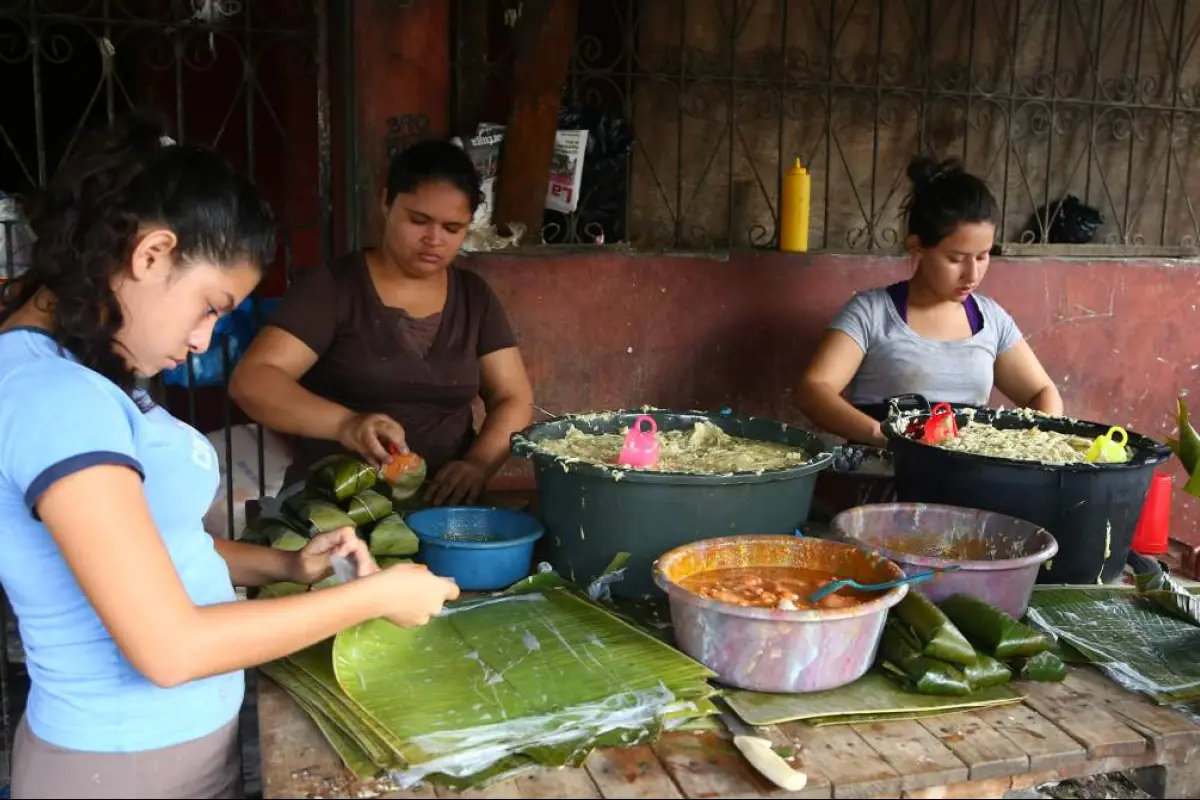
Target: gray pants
{"points": [[209, 767]]}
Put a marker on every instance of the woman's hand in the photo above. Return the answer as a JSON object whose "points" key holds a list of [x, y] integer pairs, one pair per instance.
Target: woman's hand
{"points": [[877, 438], [412, 595], [312, 563], [457, 483], [372, 436]]}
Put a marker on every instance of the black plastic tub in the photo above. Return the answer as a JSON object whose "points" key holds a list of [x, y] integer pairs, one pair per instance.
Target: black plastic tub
{"points": [[593, 512], [1090, 509]]}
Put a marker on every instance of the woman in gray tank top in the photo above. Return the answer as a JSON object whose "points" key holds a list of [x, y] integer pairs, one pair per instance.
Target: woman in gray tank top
{"points": [[932, 334]]}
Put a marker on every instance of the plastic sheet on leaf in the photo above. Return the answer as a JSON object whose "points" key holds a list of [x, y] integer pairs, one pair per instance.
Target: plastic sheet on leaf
{"points": [[537, 676], [1140, 646]]}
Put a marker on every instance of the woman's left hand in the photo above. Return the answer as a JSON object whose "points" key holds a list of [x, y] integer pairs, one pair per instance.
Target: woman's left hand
{"points": [[457, 483], [313, 562]]}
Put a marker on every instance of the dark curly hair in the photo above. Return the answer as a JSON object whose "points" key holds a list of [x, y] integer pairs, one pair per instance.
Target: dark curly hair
{"points": [[944, 196], [429, 161], [86, 223]]}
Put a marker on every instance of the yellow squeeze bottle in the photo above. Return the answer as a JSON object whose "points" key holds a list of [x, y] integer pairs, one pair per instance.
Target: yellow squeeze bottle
{"points": [[794, 209]]}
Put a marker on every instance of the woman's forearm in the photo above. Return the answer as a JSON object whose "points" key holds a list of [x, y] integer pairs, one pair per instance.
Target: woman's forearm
{"points": [[830, 412], [278, 401], [1048, 401], [256, 565], [492, 446]]}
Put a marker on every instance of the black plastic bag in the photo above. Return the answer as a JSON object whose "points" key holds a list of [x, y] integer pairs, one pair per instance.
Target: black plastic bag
{"points": [[600, 215], [1067, 221]]}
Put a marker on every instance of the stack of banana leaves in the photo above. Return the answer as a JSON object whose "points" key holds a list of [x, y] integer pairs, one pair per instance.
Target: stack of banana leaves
{"points": [[538, 675], [962, 647], [346, 491]]}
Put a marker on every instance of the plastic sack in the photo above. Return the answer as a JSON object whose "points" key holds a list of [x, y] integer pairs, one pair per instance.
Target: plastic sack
{"points": [[238, 329], [1067, 221], [600, 215]]}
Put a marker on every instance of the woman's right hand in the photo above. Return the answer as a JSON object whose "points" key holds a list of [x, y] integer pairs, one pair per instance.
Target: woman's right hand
{"points": [[412, 595], [372, 436]]}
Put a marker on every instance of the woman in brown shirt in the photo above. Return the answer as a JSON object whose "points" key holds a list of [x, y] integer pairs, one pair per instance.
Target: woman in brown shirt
{"points": [[389, 347]]}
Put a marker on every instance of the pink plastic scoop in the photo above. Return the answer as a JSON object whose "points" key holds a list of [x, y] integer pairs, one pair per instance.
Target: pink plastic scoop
{"points": [[641, 446]]}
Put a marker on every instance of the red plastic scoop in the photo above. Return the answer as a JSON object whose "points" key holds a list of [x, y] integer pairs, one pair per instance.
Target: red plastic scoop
{"points": [[641, 446], [941, 425]]}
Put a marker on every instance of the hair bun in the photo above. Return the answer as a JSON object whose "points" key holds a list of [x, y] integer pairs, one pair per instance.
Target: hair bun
{"points": [[923, 170], [143, 131]]}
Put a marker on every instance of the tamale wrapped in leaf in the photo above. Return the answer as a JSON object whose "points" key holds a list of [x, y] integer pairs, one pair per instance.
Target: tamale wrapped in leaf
{"points": [[992, 629], [318, 516], [1045, 666], [986, 671], [391, 536], [274, 533], [405, 474], [368, 506], [900, 648], [338, 478], [938, 636]]}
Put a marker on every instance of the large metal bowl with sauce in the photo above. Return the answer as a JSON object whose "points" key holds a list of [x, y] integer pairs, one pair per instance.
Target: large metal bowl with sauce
{"points": [[997, 557], [768, 649]]}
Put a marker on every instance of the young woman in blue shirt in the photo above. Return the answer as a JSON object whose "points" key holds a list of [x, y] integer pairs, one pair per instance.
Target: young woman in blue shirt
{"points": [[135, 641]]}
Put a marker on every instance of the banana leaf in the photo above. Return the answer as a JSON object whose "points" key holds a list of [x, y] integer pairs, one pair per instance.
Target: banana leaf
{"points": [[368, 506], [1187, 448], [543, 675], [1137, 644], [390, 561], [986, 671], [352, 754], [274, 533], [938, 636], [1045, 666], [875, 696], [1167, 594], [901, 652], [405, 502], [317, 516], [337, 478], [992, 629], [391, 536]]}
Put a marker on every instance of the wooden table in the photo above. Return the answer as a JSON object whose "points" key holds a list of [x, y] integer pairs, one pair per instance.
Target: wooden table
{"points": [[1084, 726]]}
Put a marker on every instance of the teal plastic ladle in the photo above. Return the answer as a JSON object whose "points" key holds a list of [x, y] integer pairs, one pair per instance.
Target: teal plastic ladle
{"points": [[833, 586]]}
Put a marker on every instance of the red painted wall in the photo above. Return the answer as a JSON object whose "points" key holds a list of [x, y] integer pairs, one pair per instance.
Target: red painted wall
{"points": [[609, 329]]}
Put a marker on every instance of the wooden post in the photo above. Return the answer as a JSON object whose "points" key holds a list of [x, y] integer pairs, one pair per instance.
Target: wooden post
{"points": [[545, 34]]}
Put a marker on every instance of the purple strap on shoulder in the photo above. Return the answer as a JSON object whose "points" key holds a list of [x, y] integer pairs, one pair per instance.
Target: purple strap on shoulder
{"points": [[899, 294]]}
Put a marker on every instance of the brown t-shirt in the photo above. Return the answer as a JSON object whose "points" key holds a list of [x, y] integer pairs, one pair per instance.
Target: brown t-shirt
{"points": [[372, 358]]}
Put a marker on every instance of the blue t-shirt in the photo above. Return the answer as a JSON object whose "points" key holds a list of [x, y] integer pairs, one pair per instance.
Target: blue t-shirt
{"points": [[56, 418]]}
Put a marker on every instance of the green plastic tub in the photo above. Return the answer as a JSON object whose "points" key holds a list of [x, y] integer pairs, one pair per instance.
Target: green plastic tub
{"points": [[593, 512]]}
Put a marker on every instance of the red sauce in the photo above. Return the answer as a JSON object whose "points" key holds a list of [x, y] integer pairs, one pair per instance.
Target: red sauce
{"points": [[767, 587]]}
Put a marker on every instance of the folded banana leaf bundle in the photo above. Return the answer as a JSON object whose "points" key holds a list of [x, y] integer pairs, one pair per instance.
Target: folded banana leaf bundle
{"points": [[901, 652], [391, 536], [996, 632], [536, 676], [311, 516], [337, 478], [1045, 666], [987, 671], [938, 636], [274, 533], [368, 506]]}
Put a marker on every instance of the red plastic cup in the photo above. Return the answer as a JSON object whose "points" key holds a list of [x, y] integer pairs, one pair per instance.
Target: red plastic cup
{"points": [[1153, 531]]}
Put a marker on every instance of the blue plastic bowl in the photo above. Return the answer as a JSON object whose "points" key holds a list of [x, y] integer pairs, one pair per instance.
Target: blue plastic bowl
{"points": [[480, 548]]}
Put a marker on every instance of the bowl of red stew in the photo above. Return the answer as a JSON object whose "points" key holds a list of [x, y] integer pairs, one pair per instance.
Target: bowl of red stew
{"points": [[740, 606]]}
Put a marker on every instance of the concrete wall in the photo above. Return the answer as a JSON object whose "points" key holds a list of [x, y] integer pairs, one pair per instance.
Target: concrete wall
{"points": [[612, 330]]}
